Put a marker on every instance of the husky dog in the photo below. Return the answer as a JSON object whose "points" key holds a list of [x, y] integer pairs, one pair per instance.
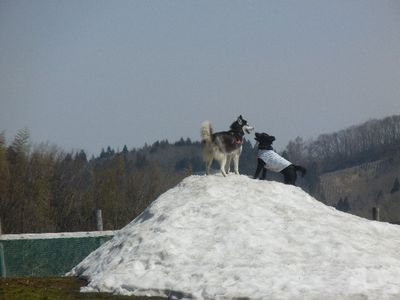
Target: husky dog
{"points": [[269, 159], [224, 146]]}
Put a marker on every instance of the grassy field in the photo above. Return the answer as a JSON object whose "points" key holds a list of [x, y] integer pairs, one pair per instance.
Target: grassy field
{"points": [[60, 288]]}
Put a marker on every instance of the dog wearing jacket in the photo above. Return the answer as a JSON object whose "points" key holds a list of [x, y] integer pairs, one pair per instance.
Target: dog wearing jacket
{"points": [[225, 145], [268, 159]]}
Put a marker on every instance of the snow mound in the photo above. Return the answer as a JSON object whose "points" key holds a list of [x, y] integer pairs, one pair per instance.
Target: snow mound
{"points": [[212, 237]]}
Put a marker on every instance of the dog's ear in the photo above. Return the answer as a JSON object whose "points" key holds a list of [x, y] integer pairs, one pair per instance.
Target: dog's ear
{"points": [[240, 120]]}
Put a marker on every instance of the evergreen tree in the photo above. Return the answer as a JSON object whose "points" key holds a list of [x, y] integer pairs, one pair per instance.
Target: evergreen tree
{"points": [[343, 205], [180, 143], [81, 156], [125, 150], [17, 156], [110, 152], [4, 181], [396, 186], [102, 153], [38, 190], [21, 143]]}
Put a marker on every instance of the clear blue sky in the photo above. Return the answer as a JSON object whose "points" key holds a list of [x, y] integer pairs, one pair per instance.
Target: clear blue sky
{"points": [[88, 74]]}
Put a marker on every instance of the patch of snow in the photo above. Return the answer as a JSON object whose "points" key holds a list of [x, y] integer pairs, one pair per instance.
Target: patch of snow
{"points": [[212, 237]]}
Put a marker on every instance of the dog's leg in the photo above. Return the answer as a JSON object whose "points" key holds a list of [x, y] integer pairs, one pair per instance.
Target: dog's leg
{"points": [[222, 164], [208, 162], [264, 174], [260, 166], [208, 157], [228, 164], [236, 163], [236, 160], [289, 175]]}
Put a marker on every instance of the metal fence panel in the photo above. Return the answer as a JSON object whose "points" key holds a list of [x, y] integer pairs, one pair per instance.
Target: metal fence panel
{"points": [[45, 257]]}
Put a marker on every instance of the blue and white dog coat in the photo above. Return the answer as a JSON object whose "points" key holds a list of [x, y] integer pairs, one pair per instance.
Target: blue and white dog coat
{"points": [[273, 161]]}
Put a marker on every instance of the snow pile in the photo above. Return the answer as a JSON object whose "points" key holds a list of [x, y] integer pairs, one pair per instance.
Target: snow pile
{"points": [[214, 237]]}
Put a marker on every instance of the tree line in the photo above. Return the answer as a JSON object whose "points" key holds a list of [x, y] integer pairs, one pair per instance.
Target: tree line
{"points": [[47, 190], [369, 141], [362, 143]]}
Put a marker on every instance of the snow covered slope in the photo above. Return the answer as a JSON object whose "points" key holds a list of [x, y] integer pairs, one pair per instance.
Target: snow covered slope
{"points": [[214, 237]]}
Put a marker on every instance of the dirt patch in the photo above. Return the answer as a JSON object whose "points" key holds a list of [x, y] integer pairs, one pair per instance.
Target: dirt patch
{"points": [[49, 288]]}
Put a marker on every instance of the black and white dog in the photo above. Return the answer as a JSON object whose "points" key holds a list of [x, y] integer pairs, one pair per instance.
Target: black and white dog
{"points": [[267, 158], [225, 145]]}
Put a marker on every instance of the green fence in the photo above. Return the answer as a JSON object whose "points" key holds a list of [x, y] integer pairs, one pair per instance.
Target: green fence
{"points": [[46, 255]]}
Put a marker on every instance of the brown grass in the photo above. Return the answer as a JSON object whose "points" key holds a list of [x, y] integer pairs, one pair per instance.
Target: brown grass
{"points": [[49, 288]]}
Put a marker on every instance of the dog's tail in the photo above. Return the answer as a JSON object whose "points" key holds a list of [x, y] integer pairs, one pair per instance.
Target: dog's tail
{"points": [[206, 132], [300, 169]]}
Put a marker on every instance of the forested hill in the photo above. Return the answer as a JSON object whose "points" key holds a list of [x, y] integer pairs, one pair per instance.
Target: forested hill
{"points": [[44, 189], [370, 141]]}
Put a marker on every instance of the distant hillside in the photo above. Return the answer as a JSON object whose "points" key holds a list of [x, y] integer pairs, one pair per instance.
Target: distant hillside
{"points": [[352, 146], [359, 189]]}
